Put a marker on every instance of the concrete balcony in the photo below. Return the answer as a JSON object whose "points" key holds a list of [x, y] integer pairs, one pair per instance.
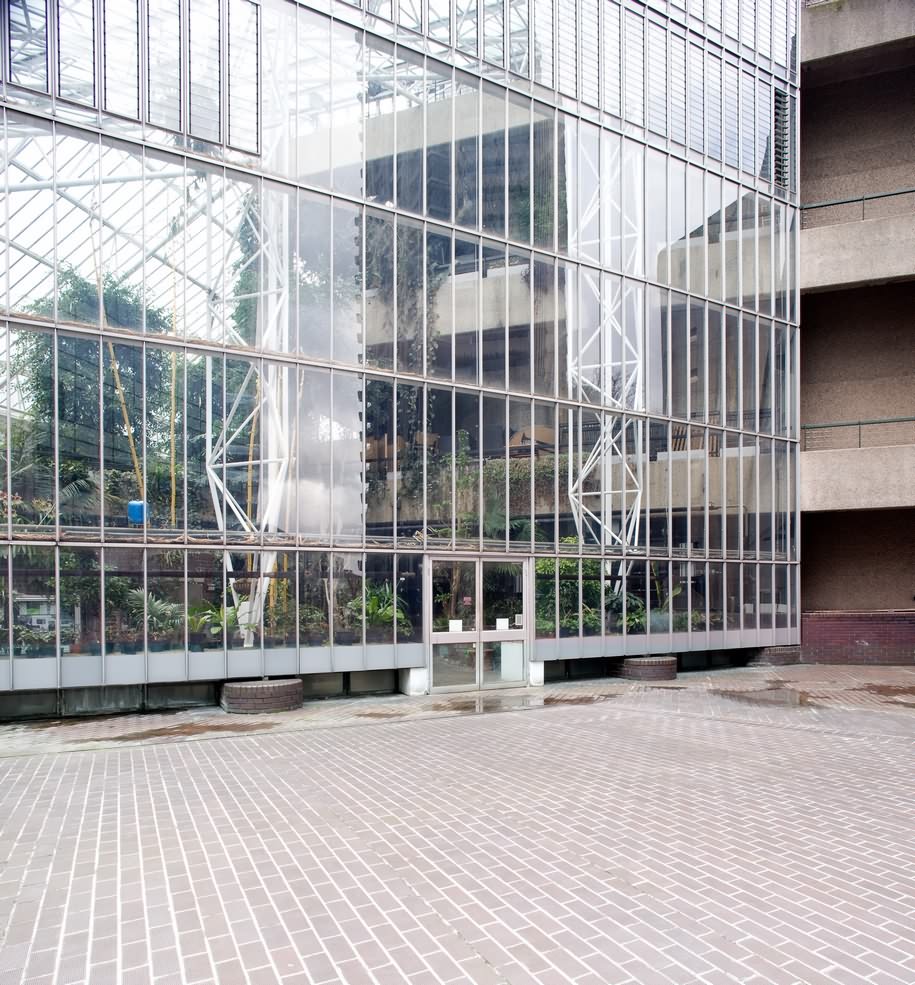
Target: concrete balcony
{"points": [[853, 254], [858, 478], [843, 27]]}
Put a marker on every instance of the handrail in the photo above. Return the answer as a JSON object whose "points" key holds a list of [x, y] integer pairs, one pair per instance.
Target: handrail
{"points": [[858, 198], [857, 424]]}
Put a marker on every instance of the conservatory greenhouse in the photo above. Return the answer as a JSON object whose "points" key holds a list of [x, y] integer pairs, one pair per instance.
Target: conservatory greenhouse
{"points": [[447, 345]]}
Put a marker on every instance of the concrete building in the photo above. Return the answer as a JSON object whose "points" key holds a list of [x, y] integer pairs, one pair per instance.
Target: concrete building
{"points": [[858, 311]]}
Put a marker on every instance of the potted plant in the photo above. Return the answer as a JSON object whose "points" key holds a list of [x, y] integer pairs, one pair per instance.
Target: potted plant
{"points": [[313, 624], [162, 617], [198, 619], [381, 609]]}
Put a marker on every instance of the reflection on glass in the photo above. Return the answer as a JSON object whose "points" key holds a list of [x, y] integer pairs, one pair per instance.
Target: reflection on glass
{"points": [[467, 468], [438, 439], [410, 474], [81, 601], [34, 600], [495, 512], [129, 609]]}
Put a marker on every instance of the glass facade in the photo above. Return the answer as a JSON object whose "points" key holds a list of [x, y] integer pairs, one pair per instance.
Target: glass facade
{"points": [[295, 298]]}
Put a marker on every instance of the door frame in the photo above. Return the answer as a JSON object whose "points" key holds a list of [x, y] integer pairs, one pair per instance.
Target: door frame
{"points": [[479, 636]]}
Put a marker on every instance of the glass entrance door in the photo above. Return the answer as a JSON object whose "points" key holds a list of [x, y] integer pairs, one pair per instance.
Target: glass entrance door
{"points": [[479, 626]]}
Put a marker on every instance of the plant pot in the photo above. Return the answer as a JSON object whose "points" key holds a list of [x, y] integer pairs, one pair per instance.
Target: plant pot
{"points": [[344, 637], [313, 638], [378, 634], [45, 650], [130, 646], [195, 642], [157, 646]]}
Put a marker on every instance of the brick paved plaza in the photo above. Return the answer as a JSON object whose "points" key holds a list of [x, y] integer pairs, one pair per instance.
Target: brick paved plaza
{"points": [[743, 826]]}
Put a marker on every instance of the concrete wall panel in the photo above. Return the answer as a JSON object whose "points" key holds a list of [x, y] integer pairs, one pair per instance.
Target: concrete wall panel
{"points": [[860, 561]]}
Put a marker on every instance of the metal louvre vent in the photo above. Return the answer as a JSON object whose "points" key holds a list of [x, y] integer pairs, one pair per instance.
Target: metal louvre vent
{"points": [[781, 165]]}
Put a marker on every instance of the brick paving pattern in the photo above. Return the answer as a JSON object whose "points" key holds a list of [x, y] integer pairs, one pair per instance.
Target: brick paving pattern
{"points": [[738, 827]]}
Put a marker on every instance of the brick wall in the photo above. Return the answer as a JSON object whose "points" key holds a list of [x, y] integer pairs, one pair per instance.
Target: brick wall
{"points": [[858, 637]]}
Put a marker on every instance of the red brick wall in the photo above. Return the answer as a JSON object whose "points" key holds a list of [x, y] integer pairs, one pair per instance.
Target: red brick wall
{"points": [[858, 637]]}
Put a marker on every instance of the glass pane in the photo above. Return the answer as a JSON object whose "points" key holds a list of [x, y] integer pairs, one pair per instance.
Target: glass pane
{"points": [[410, 476], [164, 43], [29, 43], [411, 301], [346, 426], [438, 439], [467, 468], [503, 661], [466, 309], [312, 448], [348, 604], [76, 50], [454, 596], [81, 602], [591, 619], [454, 664], [493, 212], [79, 467], [503, 595], [242, 609], [165, 599], [409, 626], [128, 607], [122, 432], [466, 150], [205, 75], [379, 461], [494, 519], [382, 607], [379, 290], [439, 109], [314, 600], [205, 600], [347, 283], [34, 603], [545, 590], [569, 612], [439, 312], [278, 589], [30, 401]]}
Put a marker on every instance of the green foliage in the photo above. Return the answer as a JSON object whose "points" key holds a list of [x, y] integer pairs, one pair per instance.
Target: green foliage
{"points": [[381, 608]]}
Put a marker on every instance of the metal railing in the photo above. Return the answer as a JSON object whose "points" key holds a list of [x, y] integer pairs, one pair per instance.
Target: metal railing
{"points": [[855, 209], [858, 434]]}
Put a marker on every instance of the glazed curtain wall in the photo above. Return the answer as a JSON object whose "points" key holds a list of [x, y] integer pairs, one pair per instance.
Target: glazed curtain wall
{"points": [[348, 303]]}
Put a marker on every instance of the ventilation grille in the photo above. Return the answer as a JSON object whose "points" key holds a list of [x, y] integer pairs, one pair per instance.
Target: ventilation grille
{"points": [[781, 165]]}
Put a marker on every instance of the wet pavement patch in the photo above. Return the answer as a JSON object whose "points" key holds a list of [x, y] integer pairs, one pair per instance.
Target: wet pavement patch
{"points": [[187, 730], [581, 699], [380, 714], [890, 691], [773, 695]]}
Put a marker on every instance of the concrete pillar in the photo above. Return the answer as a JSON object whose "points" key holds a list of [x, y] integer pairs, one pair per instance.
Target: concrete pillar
{"points": [[413, 681]]}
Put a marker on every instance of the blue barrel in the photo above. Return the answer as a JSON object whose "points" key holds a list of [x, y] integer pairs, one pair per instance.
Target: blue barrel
{"points": [[136, 512]]}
